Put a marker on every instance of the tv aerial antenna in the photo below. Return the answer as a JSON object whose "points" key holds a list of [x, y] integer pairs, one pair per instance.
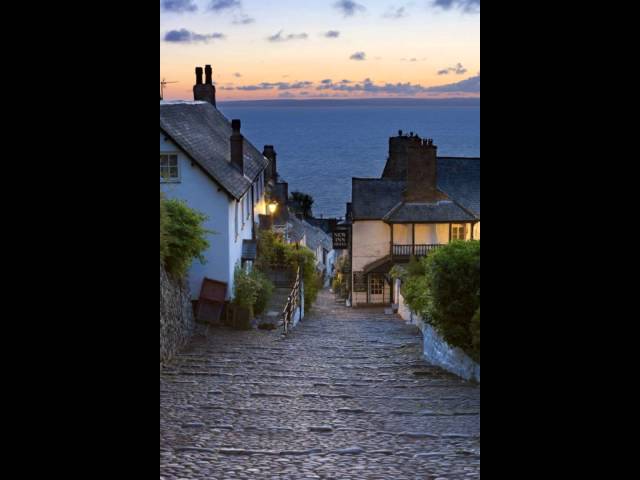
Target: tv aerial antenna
{"points": [[163, 85]]}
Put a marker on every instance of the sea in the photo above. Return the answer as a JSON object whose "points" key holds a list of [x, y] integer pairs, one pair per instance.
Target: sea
{"points": [[322, 144]]}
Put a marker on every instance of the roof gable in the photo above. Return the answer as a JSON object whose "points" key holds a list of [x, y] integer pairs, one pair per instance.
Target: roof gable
{"points": [[203, 133], [382, 199]]}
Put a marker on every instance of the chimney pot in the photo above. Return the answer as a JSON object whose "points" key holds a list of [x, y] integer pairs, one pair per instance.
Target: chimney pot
{"points": [[208, 75], [236, 125], [198, 75]]}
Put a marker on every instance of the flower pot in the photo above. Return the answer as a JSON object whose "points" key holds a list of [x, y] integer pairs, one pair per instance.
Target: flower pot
{"points": [[242, 318]]}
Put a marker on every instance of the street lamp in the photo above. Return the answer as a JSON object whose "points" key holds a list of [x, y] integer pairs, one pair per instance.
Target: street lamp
{"points": [[273, 206]]}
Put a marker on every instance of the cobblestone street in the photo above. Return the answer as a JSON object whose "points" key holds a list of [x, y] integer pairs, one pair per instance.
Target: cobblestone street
{"points": [[345, 396]]}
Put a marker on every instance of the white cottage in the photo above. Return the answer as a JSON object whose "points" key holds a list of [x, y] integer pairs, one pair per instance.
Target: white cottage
{"points": [[421, 202], [205, 161]]}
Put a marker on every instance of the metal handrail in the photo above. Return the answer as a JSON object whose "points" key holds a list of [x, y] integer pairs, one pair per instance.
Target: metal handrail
{"points": [[293, 301]]}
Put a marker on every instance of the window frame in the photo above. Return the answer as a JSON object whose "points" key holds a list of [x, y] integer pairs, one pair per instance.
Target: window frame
{"points": [[170, 179], [455, 227]]}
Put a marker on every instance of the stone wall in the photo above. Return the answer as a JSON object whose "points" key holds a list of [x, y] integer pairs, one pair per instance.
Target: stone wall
{"points": [[176, 316], [439, 352]]}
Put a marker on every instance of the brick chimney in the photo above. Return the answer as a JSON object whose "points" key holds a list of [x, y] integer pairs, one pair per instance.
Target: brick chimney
{"points": [[422, 171], [396, 166], [236, 141], [204, 92], [270, 153]]}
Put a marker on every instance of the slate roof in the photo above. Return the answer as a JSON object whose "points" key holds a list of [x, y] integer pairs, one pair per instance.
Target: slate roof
{"points": [[314, 235], [203, 133], [382, 199], [460, 179], [442, 211]]}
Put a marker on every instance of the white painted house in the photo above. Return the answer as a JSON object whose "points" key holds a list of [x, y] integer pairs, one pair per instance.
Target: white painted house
{"points": [[205, 161], [420, 203], [315, 239]]}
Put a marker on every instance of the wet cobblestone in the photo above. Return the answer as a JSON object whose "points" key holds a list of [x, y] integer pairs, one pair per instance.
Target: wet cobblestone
{"points": [[345, 396]]}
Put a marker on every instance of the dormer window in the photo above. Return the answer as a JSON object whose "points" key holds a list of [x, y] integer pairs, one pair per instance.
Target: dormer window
{"points": [[169, 168]]}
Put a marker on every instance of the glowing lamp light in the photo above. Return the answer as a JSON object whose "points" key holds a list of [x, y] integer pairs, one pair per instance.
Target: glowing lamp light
{"points": [[273, 206]]}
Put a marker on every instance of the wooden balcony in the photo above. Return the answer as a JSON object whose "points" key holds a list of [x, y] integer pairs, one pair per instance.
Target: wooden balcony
{"points": [[407, 251]]}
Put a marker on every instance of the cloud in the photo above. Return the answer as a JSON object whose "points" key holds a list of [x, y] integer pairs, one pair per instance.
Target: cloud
{"points": [[178, 6], [243, 19], [458, 70], [279, 37], [332, 34], [470, 85], [359, 56], [187, 36], [469, 6], [221, 5], [396, 12], [237, 75], [349, 8], [328, 81], [283, 86]]}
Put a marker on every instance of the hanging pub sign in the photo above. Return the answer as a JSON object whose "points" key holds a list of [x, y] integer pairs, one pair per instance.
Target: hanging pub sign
{"points": [[359, 282], [340, 239]]}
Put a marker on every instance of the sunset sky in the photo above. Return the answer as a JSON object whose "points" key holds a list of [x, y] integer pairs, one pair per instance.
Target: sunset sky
{"points": [[266, 49]]}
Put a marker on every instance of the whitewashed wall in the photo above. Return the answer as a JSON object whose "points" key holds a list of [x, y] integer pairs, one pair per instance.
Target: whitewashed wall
{"points": [[370, 242], [202, 194]]}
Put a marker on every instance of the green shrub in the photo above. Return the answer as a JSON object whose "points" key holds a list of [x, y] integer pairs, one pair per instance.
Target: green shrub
{"points": [[252, 290], [265, 291], [398, 272], [445, 289], [475, 336], [416, 266], [245, 289], [183, 237], [272, 250]]}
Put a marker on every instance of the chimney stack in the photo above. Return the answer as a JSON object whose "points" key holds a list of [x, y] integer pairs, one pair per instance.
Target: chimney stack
{"points": [[208, 71], [204, 92], [270, 153], [422, 172], [236, 141]]}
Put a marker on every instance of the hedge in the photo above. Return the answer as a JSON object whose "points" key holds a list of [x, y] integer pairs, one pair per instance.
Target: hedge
{"points": [[445, 289]]}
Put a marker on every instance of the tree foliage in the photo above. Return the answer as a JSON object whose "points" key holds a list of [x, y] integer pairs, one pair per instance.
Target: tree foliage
{"points": [[183, 237]]}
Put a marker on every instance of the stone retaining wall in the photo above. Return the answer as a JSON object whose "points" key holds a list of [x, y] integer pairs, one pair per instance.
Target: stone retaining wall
{"points": [[439, 352], [176, 316]]}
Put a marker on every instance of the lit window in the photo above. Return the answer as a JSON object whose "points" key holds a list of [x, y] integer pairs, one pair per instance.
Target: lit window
{"points": [[169, 168], [459, 231]]}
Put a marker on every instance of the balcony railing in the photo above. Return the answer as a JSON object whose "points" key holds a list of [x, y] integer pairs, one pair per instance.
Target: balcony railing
{"points": [[413, 250]]}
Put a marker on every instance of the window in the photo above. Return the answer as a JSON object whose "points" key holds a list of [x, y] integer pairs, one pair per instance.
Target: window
{"points": [[459, 231], [377, 285], [169, 168]]}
